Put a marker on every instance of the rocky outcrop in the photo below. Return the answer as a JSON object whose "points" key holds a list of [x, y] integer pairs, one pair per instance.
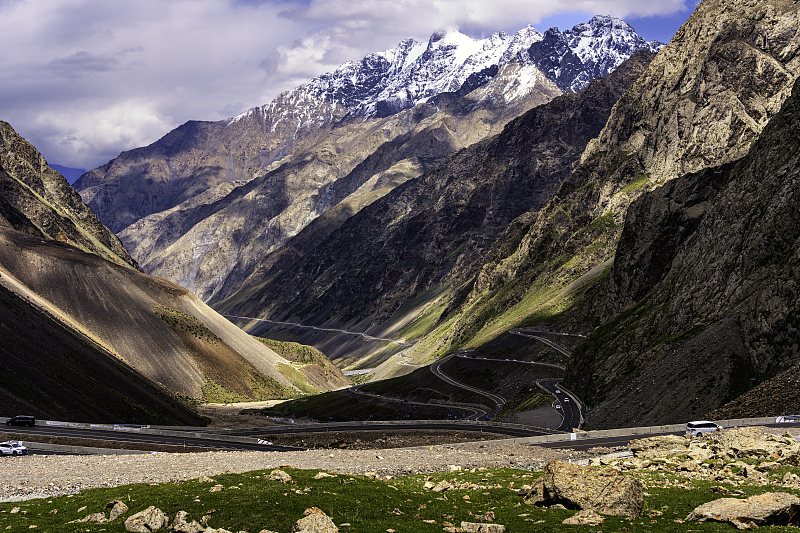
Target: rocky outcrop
{"points": [[116, 509], [474, 527], [702, 102], [605, 491], [768, 509], [38, 200], [721, 316], [730, 444], [181, 525], [280, 475]]}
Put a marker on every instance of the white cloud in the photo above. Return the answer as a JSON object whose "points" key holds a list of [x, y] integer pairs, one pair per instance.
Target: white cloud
{"points": [[86, 79]]}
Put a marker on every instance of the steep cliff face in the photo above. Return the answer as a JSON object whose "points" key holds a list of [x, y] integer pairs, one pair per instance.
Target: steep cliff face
{"points": [[431, 231], [703, 100], [37, 199], [722, 311]]}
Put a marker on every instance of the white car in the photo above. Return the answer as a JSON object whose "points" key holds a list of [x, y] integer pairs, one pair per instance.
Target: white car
{"points": [[698, 427], [12, 448]]}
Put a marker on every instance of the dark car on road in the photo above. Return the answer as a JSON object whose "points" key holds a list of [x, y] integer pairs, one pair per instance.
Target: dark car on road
{"points": [[21, 420]]}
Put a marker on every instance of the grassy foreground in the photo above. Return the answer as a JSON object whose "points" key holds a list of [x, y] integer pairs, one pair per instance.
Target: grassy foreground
{"points": [[252, 502]]}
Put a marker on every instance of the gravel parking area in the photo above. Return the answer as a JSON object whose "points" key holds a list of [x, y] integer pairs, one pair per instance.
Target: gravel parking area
{"points": [[39, 476]]}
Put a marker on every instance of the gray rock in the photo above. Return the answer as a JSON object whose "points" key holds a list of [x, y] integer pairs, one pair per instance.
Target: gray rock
{"points": [[769, 509], [182, 526], [151, 519], [315, 521], [587, 517], [280, 475], [117, 509], [604, 490], [473, 527]]}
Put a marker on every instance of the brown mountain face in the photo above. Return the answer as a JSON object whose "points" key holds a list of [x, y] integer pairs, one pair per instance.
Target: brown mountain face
{"points": [[38, 200], [212, 243], [722, 311], [53, 372], [702, 102], [153, 330], [427, 235]]}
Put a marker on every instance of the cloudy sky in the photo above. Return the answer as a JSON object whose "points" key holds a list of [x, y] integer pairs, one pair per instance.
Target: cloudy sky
{"points": [[85, 79]]}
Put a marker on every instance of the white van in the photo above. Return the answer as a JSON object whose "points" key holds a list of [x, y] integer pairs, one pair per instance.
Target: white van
{"points": [[698, 427]]}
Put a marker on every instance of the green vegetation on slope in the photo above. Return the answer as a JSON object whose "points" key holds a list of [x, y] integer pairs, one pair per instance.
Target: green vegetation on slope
{"points": [[252, 502], [187, 323]]}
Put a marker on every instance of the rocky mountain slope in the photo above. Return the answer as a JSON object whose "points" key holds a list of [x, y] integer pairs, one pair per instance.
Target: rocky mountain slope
{"points": [[721, 313], [36, 199], [702, 102], [428, 235], [53, 372], [352, 134], [158, 333], [720, 317]]}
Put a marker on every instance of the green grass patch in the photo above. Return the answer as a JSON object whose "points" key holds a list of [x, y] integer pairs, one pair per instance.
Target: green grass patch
{"points": [[297, 379], [181, 322], [638, 183], [251, 502], [524, 403], [294, 352]]}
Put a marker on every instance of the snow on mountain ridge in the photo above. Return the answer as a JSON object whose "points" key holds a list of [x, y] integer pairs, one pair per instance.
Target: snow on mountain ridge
{"points": [[384, 83]]}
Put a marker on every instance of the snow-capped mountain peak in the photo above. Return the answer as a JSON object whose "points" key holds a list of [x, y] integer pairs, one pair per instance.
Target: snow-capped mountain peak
{"points": [[384, 83]]}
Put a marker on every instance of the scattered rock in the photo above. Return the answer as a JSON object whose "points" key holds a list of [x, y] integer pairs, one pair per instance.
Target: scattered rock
{"points": [[151, 519], [280, 475], [472, 527], [216, 488], [182, 526], [97, 518], [771, 508], [206, 479], [587, 517], [604, 490], [315, 521], [321, 475], [117, 509]]}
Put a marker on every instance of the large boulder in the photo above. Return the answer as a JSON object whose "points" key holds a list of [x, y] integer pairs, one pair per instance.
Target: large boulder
{"points": [[768, 509], [280, 475], [315, 521], [151, 519], [603, 490]]}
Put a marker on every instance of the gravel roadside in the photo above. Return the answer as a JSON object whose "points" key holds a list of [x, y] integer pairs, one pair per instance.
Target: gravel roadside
{"points": [[40, 476]]}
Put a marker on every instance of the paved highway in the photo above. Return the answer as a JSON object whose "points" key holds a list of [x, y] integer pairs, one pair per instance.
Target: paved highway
{"points": [[569, 407], [205, 441], [530, 334], [498, 400], [474, 413], [510, 431]]}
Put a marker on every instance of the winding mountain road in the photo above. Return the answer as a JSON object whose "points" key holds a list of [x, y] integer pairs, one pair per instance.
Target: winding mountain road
{"points": [[316, 328], [498, 400]]}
